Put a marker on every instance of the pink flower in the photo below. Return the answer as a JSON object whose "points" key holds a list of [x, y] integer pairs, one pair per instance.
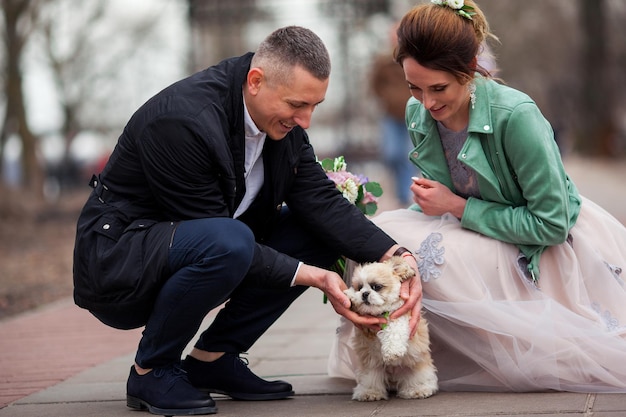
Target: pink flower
{"points": [[369, 198], [353, 187]]}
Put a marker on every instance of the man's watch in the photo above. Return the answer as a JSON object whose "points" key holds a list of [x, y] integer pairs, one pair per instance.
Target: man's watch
{"points": [[402, 251]]}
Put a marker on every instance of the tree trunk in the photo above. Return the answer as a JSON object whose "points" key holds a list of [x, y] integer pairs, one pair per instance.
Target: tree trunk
{"points": [[15, 36], [597, 134]]}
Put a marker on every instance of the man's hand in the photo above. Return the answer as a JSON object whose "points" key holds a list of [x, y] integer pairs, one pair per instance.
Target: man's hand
{"points": [[333, 286]]}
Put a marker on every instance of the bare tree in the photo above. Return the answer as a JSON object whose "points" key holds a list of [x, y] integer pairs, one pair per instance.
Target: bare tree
{"points": [[565, 55], [86, 50], [71, 93], [217, 29], [20, 17], [351, 15]]}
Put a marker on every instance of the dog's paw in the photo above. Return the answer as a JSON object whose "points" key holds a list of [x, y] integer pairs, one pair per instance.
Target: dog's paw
{"points": [[417, 393], [422, 386], [393, 343], [368, 394]]}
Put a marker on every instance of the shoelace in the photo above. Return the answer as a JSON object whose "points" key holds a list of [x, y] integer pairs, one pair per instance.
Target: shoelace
{"points": [[175, 371], [245, 361]]}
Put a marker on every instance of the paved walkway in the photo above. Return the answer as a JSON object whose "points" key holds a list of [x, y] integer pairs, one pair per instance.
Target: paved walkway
{"points": [[60, 361]]}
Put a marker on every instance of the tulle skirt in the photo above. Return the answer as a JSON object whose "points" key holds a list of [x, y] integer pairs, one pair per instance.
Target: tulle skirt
{"points": [[493, 329]]}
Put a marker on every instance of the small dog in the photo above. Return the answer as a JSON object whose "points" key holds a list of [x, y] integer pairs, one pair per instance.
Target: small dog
{"points": [[389, 360]]}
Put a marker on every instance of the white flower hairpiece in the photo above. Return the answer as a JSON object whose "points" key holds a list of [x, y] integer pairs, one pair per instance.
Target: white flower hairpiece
{"points": [[458, 6]]}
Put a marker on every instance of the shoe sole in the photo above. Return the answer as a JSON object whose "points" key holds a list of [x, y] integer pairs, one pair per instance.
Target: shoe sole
{"points": [[243, 396], [139, 404]]}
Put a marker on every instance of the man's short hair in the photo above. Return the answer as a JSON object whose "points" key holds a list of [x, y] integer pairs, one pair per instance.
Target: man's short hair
{"points": [[288, 47]]}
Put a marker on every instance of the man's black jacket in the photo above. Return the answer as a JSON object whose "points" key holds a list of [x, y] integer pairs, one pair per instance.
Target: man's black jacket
{"points": [[181, 157]]}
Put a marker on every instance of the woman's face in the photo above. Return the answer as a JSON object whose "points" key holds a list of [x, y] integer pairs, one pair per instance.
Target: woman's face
{"points": [[440, 92]]}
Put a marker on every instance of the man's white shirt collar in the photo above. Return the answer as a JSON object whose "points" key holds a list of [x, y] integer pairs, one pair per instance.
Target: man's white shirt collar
{"points": [[253, 163]]}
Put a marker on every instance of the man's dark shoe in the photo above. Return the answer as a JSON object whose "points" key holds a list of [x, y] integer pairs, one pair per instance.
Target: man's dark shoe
{"points": [[167, 391], [231, 376]]}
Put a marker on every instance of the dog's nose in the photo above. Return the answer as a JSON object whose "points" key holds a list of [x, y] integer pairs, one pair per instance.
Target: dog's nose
{"points": [[365, 295]]}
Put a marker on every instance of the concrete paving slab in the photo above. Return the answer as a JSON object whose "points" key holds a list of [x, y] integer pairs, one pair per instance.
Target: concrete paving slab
{"points": [[442, 404]]}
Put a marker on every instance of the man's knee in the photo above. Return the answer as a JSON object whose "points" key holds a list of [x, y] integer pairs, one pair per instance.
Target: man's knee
{"points": [[238, 242], [212, 241]]}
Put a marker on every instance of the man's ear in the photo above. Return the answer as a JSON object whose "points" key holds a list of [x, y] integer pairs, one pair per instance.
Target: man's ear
{"points": [[255, 80]]}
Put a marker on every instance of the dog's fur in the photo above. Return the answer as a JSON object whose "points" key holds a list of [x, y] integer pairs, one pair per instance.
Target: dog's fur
{"points": [[389, 360]]}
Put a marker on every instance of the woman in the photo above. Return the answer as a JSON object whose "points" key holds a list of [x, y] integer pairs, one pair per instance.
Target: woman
{"points": [[522, 277]]}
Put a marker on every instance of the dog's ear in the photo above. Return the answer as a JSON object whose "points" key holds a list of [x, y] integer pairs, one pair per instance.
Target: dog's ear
{"points": [[401, 269]]}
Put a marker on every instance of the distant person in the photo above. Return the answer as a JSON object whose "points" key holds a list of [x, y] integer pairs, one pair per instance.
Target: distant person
{"points": [[390, 88], [523, 279], [214, 195]]}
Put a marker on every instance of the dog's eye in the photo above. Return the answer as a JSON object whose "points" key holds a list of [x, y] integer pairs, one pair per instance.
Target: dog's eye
{"points": [[359, 287], [377, 287]]}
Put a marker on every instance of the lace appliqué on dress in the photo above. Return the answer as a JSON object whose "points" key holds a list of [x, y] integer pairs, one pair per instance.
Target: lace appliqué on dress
{"points": [[430, 257], [611, 323]]}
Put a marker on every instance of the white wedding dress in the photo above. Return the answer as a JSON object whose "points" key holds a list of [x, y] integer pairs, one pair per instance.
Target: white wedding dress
{"points": [[492, 329]]}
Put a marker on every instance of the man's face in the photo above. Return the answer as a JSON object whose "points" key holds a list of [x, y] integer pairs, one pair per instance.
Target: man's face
{"points": [[277, 108]]}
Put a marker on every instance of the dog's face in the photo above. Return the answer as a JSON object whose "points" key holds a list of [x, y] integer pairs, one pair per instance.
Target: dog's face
{"points": [[375, 287]]}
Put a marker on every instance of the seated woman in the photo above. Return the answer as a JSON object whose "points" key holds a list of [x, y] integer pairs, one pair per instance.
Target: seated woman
{"points": [[523, 281]]}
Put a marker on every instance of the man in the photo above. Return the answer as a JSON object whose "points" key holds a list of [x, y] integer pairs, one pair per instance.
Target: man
{"points": [[213, 194]]}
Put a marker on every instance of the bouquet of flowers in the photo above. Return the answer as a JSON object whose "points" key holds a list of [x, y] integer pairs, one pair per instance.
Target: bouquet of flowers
{"points": [[357, 189]]}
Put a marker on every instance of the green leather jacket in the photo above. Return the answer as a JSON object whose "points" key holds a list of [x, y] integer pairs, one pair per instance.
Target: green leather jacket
{"points": [[527, 198]]}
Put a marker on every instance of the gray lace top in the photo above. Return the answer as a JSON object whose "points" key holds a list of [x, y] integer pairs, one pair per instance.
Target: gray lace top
{"points": [[463, 177]]}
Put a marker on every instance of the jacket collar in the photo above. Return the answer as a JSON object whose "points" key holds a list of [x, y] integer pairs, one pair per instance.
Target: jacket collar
{"points": [[480, 125], [480, 116]]}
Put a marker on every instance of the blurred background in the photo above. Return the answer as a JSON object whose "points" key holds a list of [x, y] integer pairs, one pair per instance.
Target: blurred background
{"points": [[74, 71]]}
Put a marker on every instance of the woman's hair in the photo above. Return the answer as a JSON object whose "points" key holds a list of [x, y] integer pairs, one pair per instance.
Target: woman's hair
{"points": [[288, 47], [439, 38]]}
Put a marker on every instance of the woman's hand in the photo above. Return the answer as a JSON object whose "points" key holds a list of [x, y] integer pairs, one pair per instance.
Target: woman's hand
{"points": [[436, 199]]}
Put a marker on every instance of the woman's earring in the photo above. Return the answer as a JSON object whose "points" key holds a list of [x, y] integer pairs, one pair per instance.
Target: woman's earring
{"points": [[472, 90]]}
